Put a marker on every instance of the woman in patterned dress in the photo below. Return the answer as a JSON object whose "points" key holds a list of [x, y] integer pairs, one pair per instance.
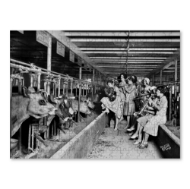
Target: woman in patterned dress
{"points": [[130, 95], [145, 89], [142, 121], [117, 105], [151, 127]]}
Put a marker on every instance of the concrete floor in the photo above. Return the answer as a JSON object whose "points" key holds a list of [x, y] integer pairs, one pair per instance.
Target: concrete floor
{"points": [[116, 145]]}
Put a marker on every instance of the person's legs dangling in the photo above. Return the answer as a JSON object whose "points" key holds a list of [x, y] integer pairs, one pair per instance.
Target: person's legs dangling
{"points": [[136, 132], [146, 138], [145, 141], [139, 140]]}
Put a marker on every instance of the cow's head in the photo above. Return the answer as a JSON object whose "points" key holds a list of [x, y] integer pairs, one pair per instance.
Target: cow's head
{"points": [[38, 106], [89, 103], [64, 107], [30, 103], [84, 108]]}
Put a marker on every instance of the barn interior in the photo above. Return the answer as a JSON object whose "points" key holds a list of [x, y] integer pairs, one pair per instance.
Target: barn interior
{"points": [[95, 56]]}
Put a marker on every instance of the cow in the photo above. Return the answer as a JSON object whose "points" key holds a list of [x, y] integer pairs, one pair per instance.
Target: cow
{"points": [[64, 110], [27, 104], [95, 98], [88, 101], [83, 107], [30, 103], [85, 104]]}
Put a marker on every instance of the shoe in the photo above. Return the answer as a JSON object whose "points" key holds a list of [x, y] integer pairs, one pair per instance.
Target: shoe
{"points": [[137, 142], [142, 146], [130, 134], [134, 136], [115, 129], [126, 127], [131, 129]]}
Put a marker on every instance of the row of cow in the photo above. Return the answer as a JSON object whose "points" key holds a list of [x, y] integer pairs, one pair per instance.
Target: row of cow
{"points": [[37, 104]]}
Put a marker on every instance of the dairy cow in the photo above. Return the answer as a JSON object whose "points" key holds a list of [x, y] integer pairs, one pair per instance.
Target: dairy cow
{"points": [[88, 101], [83, 107], [64, 110], [30, 103]]}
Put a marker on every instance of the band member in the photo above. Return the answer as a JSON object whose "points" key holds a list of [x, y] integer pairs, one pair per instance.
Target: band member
{"points": [[145, 89], [151, 127], [145, 85], [114, 105], [129, 106], [148, 112]]}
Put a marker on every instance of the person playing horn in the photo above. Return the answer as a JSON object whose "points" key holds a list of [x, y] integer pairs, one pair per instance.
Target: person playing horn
{"points": [[151, 127]]}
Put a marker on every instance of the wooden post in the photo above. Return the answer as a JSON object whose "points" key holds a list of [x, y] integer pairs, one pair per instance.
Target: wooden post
{"points": [[11, 83], [71, 87], [63, 87], [82, 89], [175, 88], [170, 103], [59, 83], [80, 77], [160, 77], [31, 80], [20, 85], [39, 79], [67, 87], [54, 88], [49, 51], [29, 136], [45, 86], [93, 81]]}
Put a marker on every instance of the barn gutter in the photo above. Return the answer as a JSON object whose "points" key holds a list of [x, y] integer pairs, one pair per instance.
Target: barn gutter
{"points": [[82, 143]]}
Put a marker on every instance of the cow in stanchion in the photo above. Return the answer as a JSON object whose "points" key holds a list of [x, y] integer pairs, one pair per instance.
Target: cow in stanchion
{"points": [[29, 103]]}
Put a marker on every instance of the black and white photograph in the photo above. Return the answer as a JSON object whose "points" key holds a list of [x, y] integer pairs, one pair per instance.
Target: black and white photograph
{"points": [[95, 94]]}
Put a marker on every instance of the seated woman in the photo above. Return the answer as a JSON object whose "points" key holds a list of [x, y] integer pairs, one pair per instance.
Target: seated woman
{"points": [[151, 127], [142, 121], [114, 104]]}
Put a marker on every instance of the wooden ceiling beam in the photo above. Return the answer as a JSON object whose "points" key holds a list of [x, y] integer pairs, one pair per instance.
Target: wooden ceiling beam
{"points": [[167, 63], [60, 36], [122, 40], [122, 33], [131, 44]]}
